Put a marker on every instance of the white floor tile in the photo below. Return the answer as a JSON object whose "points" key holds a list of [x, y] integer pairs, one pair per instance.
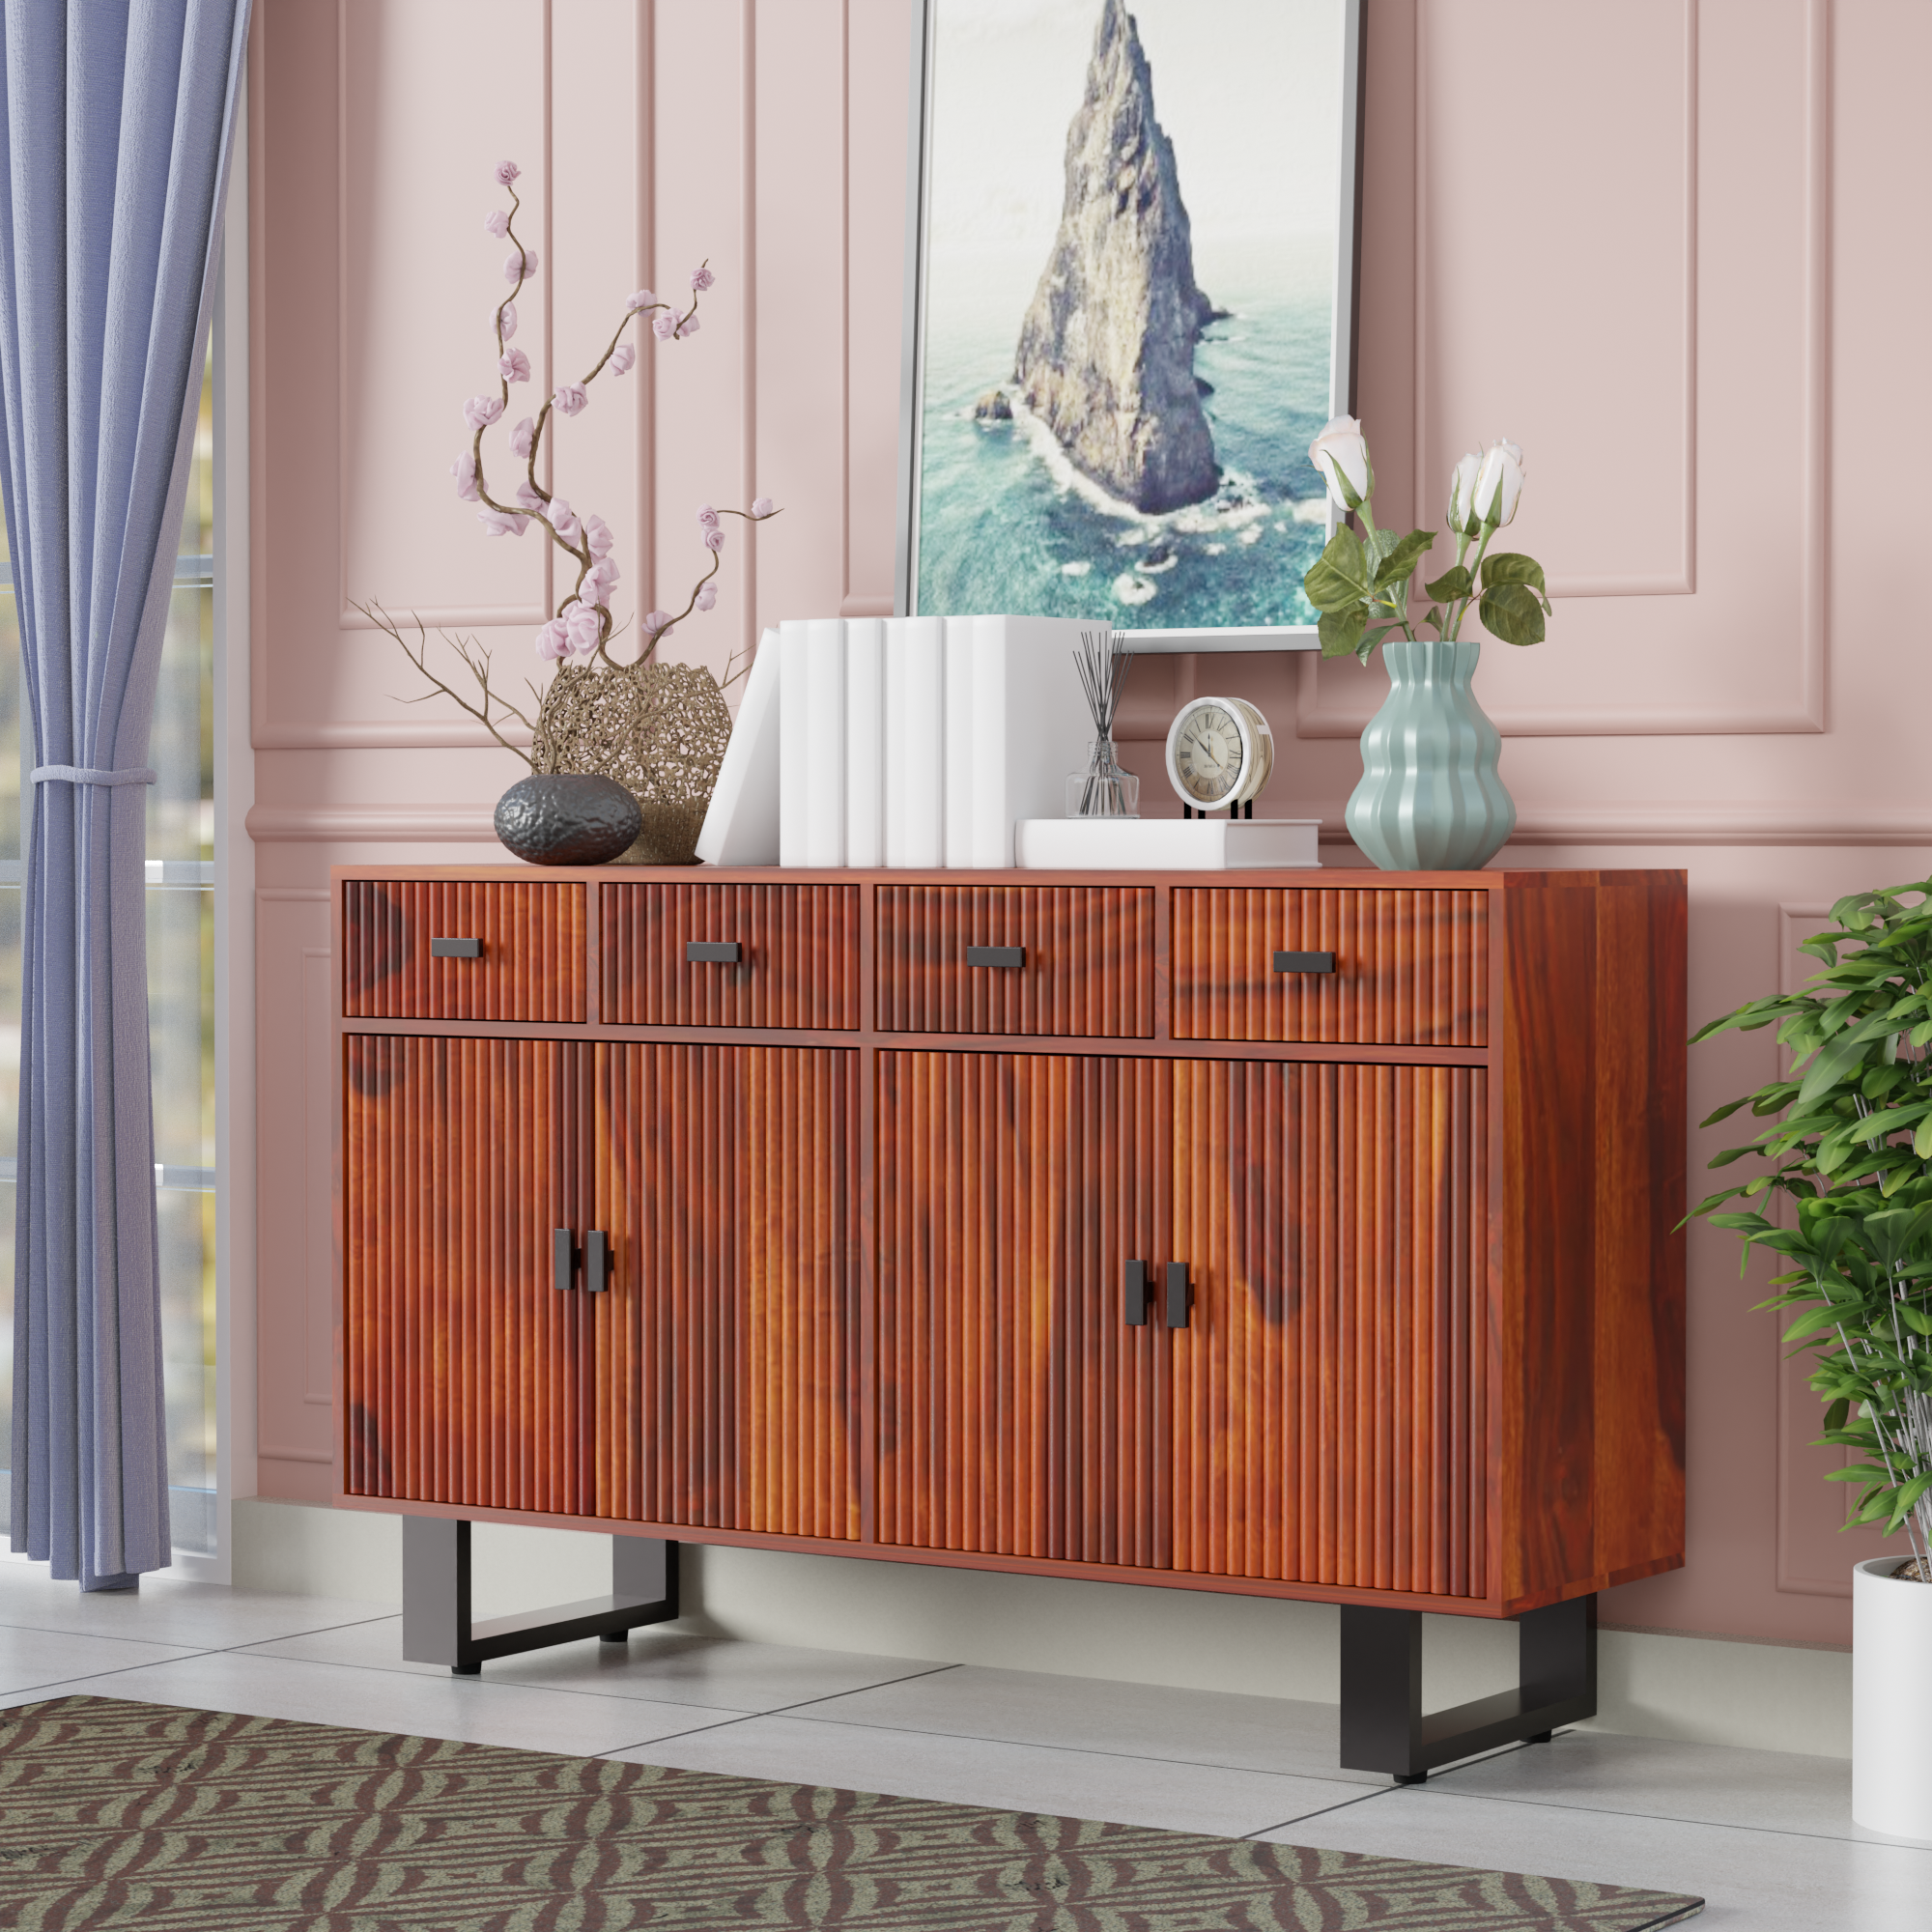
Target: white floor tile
{"points": [[33, 1656], [973, 1771], [1271, 1734], [200, 1616], [709, 1673], [472, 1709], [1762, 1881]]}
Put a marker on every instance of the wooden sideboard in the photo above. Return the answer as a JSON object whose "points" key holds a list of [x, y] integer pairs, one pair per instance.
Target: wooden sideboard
{"points": [[1302, 1235]]}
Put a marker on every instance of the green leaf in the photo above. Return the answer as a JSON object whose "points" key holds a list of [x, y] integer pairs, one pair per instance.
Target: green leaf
{"points": [[1338, 577], [1835, 1416], [1401, 560], [1508, 567], [1512, 612], [1830, 1066], [1341, 631], [1454, 582], [1724, 1112]]}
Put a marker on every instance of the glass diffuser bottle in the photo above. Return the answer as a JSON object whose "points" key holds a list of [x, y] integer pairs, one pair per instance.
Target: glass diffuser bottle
{"points": [[1104, 789]]}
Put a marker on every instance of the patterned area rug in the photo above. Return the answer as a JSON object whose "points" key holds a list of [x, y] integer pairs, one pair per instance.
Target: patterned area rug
{"points": [[121, 1814]]}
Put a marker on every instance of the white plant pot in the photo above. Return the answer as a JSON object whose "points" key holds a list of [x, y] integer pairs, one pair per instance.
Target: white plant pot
{"points": [[1891, 1702]]}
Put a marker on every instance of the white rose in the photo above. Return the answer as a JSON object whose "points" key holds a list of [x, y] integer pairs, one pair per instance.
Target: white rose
{"points": [[1498, 484], [1341, 456], [1462, 519]]}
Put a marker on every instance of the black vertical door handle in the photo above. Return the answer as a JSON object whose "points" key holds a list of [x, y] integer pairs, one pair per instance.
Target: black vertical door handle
{"points": [[596, 1261], [1135, 1292], [1177, 1295], [563, 1258]]}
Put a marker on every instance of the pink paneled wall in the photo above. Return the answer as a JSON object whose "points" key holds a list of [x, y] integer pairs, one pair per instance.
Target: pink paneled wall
{"points": [[1662, 245]]}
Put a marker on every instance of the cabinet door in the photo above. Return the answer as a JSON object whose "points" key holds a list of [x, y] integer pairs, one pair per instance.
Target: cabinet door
{"points": [[728, 1382], [465, 1373], [1329, 1410], [1019, 1413]]}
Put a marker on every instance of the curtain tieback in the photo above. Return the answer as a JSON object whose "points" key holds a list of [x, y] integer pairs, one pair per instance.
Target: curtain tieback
{"points": [[88, 775]]}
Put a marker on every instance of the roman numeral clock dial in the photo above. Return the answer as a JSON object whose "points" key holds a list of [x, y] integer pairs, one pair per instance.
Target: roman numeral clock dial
{"points": [[1219, 752]]}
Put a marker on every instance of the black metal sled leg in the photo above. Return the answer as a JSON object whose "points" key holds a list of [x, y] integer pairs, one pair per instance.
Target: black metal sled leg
{"points": [[436, 1626], [1384, 1725]]}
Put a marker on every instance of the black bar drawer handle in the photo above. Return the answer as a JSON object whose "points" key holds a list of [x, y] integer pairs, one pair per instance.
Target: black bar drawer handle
{"points": [[1178, 1294], [1304, 962], [1008, 956], [596, 1261], [713, 952], [1135, 1292], [456, 948], [564, 1258]]}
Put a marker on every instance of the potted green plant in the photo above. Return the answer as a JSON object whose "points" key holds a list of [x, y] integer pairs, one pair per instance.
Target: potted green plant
{"points": [[1848, 1149]]}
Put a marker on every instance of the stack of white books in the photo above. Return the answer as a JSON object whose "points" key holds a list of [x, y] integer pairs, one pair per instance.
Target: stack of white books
{"points": [[898, 740]]}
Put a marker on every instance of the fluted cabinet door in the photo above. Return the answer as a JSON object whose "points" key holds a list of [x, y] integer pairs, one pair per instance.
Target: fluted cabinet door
{"points": [[728, 1370], [466, 1376]]}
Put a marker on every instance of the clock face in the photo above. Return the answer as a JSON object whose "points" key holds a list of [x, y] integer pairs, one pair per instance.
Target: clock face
{"points": [[1207, 753]]}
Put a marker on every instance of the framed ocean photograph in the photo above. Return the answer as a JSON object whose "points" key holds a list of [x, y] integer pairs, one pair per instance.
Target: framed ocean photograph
{"points": [[1130, 292]]}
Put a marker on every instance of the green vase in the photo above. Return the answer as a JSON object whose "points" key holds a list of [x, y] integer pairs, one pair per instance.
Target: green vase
{"points": [[1430, 799]]}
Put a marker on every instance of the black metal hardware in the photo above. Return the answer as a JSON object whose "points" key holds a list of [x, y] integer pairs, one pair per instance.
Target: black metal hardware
{"points": [[596, 1261], [563, 1258], [1178, 1294], [436, 1626], [1304, 962], [1384, 1726], [1008, 956], [456, 948], [1135, 1294], [713, 952]]}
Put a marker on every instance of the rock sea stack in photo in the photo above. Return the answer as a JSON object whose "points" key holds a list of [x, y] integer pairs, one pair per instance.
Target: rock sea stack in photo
{"points": [[1106, 352]]}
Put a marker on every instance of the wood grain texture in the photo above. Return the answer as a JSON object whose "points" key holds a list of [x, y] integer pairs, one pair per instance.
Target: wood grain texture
{"points": [[466, 1378], [728, 1386], [799, 965], [532, 966], [1089, 959], [1412, 965]]}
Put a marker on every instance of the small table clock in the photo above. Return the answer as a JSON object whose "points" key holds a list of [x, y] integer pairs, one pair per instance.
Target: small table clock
{"points": [[1219, 752]]}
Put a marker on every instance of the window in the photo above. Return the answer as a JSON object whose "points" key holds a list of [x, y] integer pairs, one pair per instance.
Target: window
{"points": [[181, 970]]}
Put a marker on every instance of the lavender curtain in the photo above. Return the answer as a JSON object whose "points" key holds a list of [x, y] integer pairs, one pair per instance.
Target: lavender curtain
{"points": [[115, 123]]}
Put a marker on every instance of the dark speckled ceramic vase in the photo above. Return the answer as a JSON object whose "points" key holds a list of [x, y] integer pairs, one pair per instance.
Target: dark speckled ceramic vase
{"points": [[567, 818]]}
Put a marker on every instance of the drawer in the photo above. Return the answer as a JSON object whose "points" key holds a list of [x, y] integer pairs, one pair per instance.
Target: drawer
{"points": [[527, 959], [1411, 968], [796, 963], [1016, 959]]}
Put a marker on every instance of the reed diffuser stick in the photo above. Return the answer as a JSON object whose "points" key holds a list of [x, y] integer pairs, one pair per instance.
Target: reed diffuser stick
{"points": [[1102, 663]]}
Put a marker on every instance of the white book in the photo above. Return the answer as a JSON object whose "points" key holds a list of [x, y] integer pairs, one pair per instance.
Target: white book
{"points": [[1168, 845], [741, 825], [825, 741], [961, 647], [1031, 727], [915, 742], [864, 741], [793, 738]]}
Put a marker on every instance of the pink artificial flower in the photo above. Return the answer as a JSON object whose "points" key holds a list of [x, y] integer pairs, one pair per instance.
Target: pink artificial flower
{"points": [[521, 436], [500, 523], [714, 540], [643, 298], [563, 520], [519, 265], [603, 573], [507, 172], [688, 326], [571, 399], [762, 507], [506, 320], [621, 358], [496, 224], [599, 533], [702, 279], [463, 469], [656, 623], [480, 412], [553, 641], [529, 497], [586, 625], [664, 326], [514, 367], [708, 517], [707, 597]]}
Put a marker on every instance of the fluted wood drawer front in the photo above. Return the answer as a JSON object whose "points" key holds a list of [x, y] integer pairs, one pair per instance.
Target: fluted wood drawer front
{"points": [[796, 965], [1411, 968], [1084, 962], [523, 959], [466, 1376]]}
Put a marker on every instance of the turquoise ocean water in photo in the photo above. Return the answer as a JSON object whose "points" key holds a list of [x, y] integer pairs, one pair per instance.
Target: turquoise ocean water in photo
{"points": [[1005, 523]]}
